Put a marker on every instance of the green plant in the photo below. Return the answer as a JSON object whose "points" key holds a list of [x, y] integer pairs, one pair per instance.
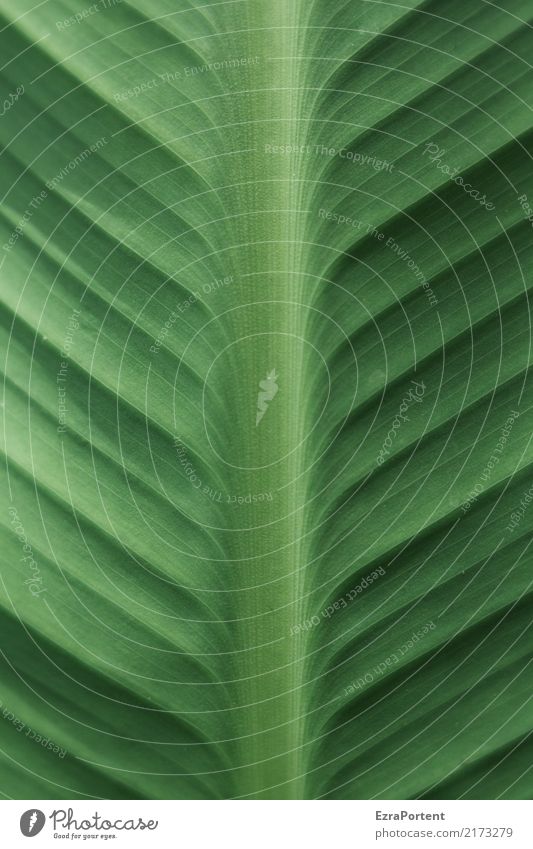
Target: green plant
{"points": [[307, 214]]}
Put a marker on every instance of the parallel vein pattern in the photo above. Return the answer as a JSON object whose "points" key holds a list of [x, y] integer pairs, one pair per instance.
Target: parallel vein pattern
{"points": [[266, 423]]}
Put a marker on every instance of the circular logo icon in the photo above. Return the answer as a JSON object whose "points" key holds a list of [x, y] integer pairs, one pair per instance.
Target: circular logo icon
{"points": [[32, 822]]}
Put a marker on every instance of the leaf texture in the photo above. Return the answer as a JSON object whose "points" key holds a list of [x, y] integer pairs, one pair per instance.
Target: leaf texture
{"points": [[266, 342]]}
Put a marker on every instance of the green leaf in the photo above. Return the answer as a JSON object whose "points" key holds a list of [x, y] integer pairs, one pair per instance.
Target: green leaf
{"points": [[266, 415]]}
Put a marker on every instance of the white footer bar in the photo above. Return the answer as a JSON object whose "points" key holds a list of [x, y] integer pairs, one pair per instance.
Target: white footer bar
{"points": [[268, 825]]}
